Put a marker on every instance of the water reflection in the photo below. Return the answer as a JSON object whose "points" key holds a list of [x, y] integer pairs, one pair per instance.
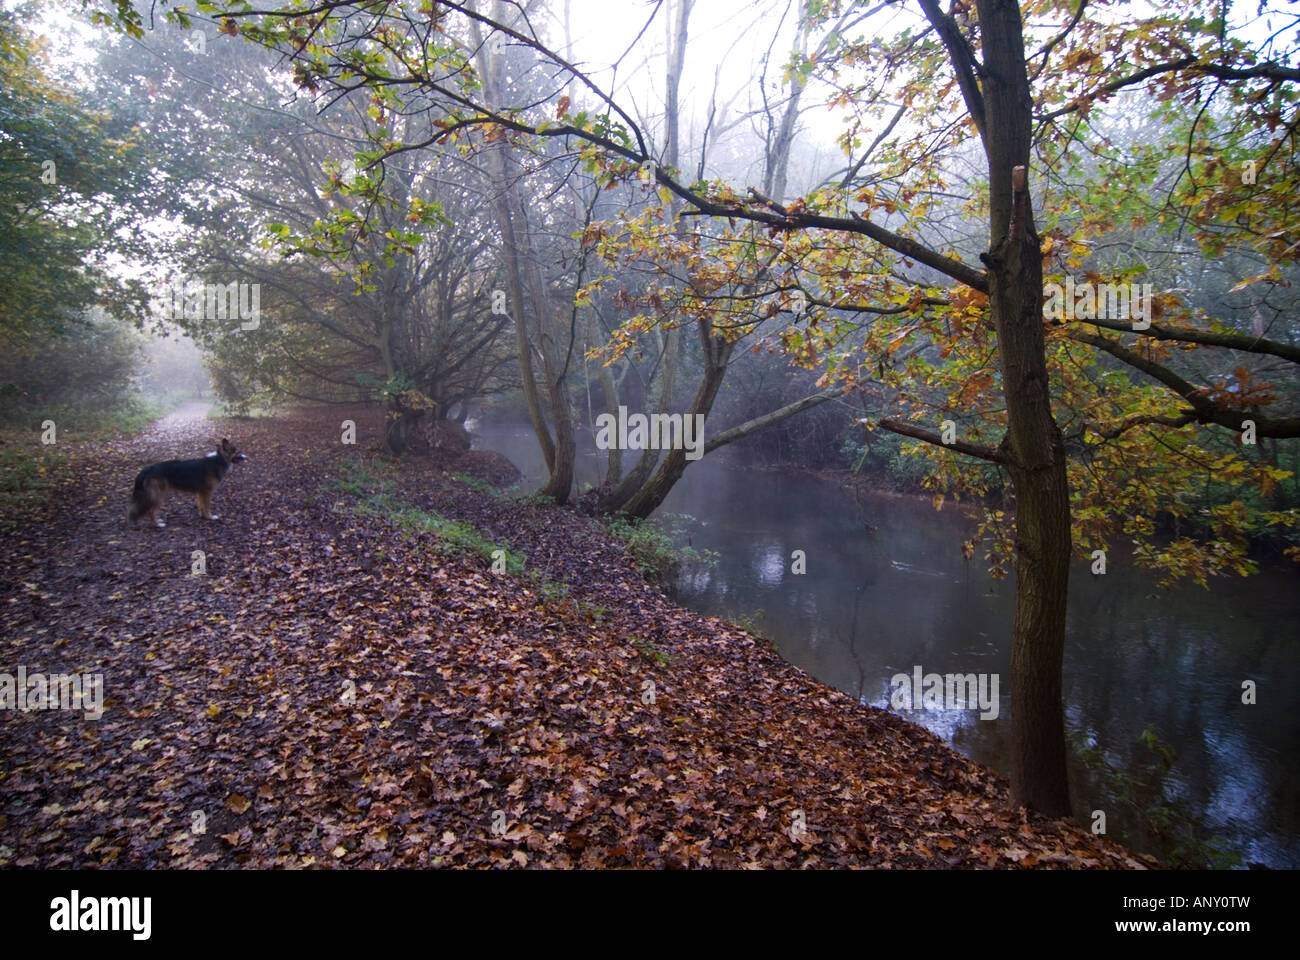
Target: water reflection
{"points": [[887, 589]]}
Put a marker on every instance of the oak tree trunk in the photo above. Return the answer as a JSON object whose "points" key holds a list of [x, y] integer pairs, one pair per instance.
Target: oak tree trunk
{"points": [[1033, 443]]}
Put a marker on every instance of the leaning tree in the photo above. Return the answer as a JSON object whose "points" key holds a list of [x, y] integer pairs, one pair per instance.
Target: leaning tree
{"points": [[1022, 85]]}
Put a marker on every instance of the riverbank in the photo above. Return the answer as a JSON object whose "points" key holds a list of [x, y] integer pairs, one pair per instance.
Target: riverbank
{"points": [[349, 683]]}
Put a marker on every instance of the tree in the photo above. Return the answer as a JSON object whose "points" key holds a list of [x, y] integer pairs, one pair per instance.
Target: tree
{"points": [[73, 190], [414, 329], [962, 74]]}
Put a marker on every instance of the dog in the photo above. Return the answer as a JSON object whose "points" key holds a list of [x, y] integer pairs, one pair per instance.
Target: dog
{"points": [[199, 476]]}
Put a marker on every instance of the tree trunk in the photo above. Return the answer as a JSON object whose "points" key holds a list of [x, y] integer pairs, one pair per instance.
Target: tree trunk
{"points": [[652, 494], [767, 419], [627, 487], [399, 425], [614, 470], [509, 215], [560, 483], [1033, 441]]}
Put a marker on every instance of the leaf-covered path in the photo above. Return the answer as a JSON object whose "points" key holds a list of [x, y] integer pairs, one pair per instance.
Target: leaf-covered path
{"points": [[335, 692]]}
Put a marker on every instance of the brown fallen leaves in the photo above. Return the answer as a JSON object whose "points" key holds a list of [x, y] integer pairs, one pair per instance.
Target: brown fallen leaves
{"points": [[334, 692]]}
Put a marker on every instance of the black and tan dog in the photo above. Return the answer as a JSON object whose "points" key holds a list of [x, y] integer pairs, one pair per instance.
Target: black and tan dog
{"points": [[199, 476]]}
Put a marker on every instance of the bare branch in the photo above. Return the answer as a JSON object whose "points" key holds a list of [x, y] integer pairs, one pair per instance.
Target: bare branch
{"points": [[992, 454]]}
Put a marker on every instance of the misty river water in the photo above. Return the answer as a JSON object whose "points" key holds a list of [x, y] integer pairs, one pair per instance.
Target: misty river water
{"points": [[887, 591]]}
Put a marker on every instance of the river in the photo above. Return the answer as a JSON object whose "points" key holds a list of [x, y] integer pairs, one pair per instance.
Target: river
{"points": [[886, 591]]}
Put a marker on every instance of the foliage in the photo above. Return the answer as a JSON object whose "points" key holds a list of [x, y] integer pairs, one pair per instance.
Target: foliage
{"points": [[372, 486], [474, 483], [88, 367], [652, 547], [1142, 792], [74, 189], [649, 651], [885, 456]]}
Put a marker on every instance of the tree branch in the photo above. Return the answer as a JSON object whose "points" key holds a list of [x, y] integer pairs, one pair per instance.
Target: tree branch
{"points": [[1205, 410], [1233, 341], [992, 454], [767, 419], [962, 59]]}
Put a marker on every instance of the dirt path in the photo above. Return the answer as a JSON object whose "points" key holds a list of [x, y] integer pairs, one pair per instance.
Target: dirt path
{"points": [[334, 692]]}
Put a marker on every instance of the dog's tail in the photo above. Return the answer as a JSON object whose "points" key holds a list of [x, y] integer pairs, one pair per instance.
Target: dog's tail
{"points": [[139, 499]]}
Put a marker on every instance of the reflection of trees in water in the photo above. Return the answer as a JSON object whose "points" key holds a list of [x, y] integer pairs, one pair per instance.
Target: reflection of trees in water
{"points": [[854, 633]]}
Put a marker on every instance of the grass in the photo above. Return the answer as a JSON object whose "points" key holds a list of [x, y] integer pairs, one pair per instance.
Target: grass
{"points": [[27, 478], [372, 485], [127, 415], [652, 549], [649, 651], [474, 483]]}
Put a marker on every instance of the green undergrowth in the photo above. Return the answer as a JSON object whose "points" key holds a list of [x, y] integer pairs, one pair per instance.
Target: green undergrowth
{"points": [[474, 483], [1143, 795], [373, 488], [649, 651], [83, 420], [28, 476], [652, 545]]}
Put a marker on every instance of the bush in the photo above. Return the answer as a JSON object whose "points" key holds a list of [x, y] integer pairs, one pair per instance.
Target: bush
{"points": [[652, 549]]}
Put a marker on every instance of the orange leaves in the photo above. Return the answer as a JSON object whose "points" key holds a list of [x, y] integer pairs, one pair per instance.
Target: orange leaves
{"points": [[898, 339], [491, 724], [973, 391], [1240, 391]]}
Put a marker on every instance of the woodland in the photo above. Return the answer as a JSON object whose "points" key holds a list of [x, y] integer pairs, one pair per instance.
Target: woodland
{"points": [[1034, 258]]}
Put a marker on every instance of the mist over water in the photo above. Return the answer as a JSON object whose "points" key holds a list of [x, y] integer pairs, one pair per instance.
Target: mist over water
{"points": [[887, 590]]}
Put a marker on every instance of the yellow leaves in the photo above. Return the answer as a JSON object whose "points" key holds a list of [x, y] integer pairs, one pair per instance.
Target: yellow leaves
{"points": [[1080, 59], [1269, 276], [899, 338]]}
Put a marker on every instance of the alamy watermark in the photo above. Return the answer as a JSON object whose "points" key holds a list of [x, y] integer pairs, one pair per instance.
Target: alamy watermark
{"points": [[1099, 301], [75, 913], [194, 300], [56, 691], [658, 431], [949, 691]]}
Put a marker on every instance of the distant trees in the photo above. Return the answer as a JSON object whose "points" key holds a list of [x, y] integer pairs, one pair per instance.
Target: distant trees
{"points": [[71, 197], [368, 307], [975, 116]]}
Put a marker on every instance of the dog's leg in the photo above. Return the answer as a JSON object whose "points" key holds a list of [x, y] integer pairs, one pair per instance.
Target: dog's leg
{"points": [[157, 493], [205, 506]]}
